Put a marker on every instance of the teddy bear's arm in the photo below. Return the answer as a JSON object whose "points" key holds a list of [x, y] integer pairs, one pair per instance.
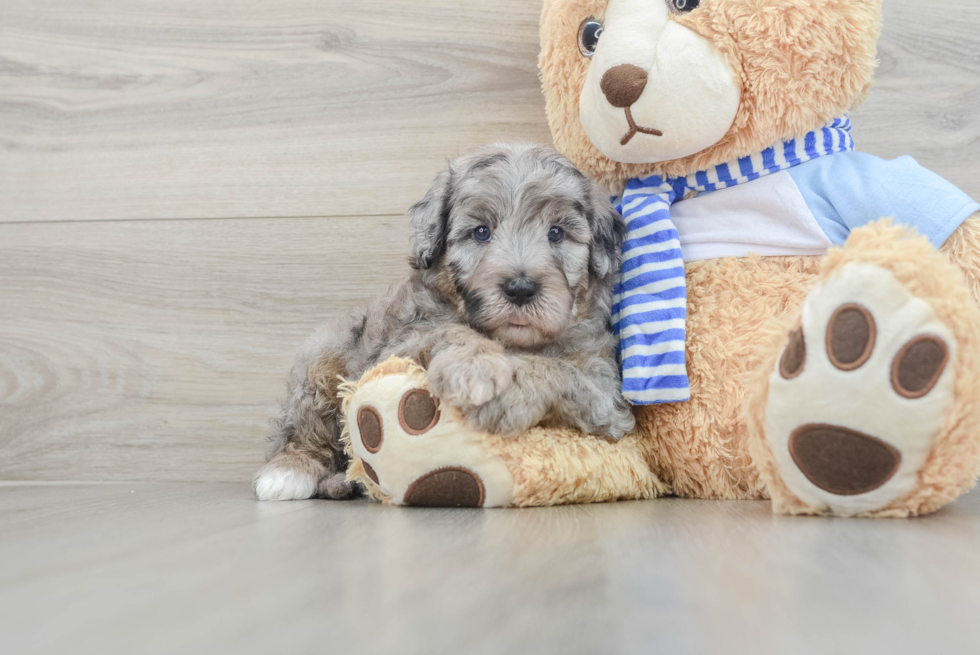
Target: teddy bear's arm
{"points": [[963, 249]]}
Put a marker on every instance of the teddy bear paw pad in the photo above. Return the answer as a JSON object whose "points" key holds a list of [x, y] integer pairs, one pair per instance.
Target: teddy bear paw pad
{"points": [[859, 392], [419, 454], [452, 486]]}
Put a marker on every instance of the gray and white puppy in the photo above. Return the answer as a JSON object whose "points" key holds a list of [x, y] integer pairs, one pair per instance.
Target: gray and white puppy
{"points": [[513, 257]]}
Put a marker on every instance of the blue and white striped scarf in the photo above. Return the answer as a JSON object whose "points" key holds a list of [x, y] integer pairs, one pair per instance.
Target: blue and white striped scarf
{"points": [[650, 310]]}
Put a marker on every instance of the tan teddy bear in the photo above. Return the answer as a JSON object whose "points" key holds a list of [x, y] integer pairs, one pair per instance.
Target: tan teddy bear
{"points": [[799, 321]]}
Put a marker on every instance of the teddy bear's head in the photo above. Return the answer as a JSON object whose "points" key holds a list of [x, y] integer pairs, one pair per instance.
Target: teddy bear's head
{"points": [[670, 87]]}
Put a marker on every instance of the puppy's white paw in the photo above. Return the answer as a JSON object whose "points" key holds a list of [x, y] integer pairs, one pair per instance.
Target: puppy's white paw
{"points": [[278, 483], [469, 381]]}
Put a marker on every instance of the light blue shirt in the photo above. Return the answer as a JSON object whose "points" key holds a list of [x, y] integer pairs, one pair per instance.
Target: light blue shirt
{"points": [[851, 189]]}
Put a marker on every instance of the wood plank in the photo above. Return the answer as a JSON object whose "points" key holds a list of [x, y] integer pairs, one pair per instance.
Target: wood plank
{"points": [[927, 91], [202, 568], [236, 108], [155, 349]]}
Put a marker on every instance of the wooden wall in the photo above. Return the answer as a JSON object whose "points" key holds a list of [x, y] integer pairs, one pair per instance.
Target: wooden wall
{"points": [[187, 188]]}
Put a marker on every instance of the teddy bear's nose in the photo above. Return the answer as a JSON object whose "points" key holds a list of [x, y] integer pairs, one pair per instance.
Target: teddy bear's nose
{"points": [[623, 84]]}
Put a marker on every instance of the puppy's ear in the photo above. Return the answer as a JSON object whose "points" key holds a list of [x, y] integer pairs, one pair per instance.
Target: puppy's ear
{"points": [[608, 235], [430, 222]]}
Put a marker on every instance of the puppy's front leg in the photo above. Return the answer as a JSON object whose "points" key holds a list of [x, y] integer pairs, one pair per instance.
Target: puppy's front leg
{"points": [[587, 398], [466, 369]]}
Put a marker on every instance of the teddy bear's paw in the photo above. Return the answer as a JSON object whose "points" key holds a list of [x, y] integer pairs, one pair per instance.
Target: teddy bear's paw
{"points": [[417, 452], [859, 393]]}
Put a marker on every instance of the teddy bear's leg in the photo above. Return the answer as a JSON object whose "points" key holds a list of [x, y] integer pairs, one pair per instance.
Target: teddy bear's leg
{"points": [[409, 449], [870, 406], [963, 249]]}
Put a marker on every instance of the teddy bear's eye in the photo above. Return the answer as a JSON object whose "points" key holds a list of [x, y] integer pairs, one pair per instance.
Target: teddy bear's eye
{"points": [[589, 33], [683, 6]]}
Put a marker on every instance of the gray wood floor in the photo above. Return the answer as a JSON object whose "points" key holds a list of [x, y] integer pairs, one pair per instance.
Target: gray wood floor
{"points": [[184, 567]]}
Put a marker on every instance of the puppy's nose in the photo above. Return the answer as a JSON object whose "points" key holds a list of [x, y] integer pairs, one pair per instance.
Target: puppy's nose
{"points": [[520, 290], [623, 85]]}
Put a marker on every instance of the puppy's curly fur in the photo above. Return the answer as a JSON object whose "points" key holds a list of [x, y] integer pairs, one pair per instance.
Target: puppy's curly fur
{"points": [[513, 257]]}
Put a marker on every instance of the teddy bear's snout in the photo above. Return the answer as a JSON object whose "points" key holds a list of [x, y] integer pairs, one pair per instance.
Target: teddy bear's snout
{"points": [[623, 85]]}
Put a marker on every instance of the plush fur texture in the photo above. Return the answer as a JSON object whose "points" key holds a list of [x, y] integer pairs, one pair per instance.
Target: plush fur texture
{"points": [[699, 447], [800, 64], [954, 462], [561, 466], [550, 466], [963, 249], [347, 389]]}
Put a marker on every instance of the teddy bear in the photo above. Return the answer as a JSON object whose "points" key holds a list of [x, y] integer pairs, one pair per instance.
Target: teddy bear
{"points": [[798, 321]]}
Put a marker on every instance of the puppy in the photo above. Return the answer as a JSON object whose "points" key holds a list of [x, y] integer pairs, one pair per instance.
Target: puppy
{"points": [[513, 257]]}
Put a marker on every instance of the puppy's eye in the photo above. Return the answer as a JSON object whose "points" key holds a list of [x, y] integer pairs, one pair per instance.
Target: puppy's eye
{"points": [[482, 234], [556, 234], [589, 33], [683, 6]]}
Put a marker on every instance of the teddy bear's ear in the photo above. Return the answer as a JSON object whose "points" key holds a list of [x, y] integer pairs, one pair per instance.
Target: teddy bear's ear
{"points": [[862, 96], [430, 221]]}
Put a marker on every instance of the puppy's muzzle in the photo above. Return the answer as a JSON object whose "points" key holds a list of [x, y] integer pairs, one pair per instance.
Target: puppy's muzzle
{"points": [[520, 290]]}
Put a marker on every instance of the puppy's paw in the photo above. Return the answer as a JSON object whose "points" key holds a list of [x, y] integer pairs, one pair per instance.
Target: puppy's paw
{"points": [[520, 408], [609, 416], [274, 482], [504, 415], [621, 422], [469, 381], [338, 487]]}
